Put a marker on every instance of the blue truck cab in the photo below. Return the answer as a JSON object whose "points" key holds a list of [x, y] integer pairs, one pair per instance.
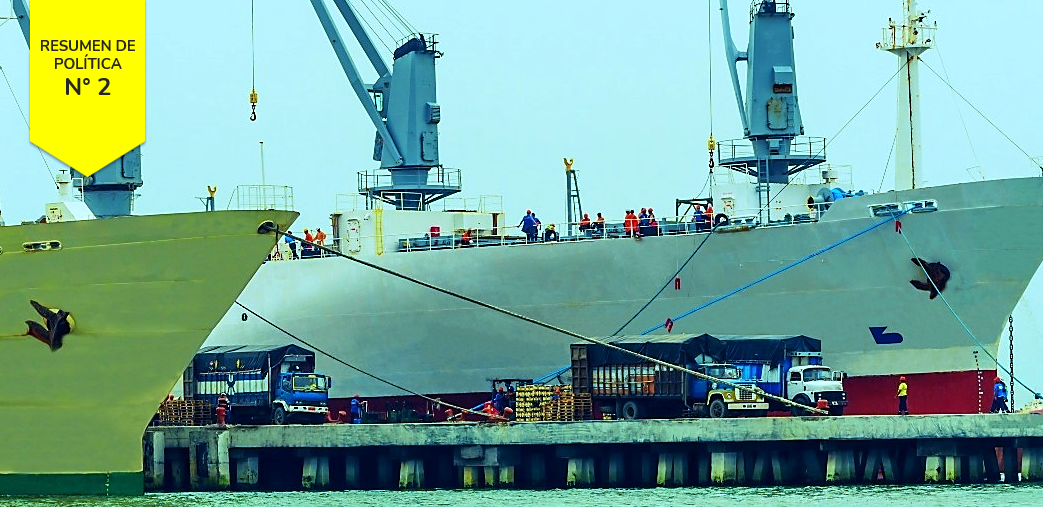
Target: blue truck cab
{"points": [[263, 384]]}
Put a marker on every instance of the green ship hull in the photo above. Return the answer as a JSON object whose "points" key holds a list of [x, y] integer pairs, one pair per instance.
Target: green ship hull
{"points": [[143, 292]]}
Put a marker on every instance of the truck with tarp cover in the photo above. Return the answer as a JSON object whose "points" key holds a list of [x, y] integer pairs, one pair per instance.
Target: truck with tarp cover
{"points": [[634, 388], [788, 366], [262, 383]]}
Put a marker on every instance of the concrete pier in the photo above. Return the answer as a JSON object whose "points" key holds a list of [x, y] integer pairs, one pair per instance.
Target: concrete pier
{"points": [[945, 449]]}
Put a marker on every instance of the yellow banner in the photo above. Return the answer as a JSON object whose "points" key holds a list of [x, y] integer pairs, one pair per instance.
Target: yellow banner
{"points": [[87, 79]]}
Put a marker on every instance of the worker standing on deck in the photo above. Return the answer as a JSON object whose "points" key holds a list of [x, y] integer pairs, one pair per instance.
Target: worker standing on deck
{"points": [[293, 245], [903, 393], [999, 397]]}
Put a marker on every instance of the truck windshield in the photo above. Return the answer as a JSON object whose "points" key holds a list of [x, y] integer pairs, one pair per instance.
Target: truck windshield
{"points": [[817, 374], [726, 372], [309, 383]]}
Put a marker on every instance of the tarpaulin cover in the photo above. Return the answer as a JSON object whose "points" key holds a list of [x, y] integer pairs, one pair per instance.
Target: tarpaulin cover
{"points": [[765, 348], [247, 357], [686, 349]]}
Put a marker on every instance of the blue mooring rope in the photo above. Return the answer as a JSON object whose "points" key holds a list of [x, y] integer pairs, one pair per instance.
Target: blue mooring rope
{"points": [[778, 271]]}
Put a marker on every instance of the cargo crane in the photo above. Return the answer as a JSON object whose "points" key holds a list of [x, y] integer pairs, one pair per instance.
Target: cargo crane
{"points": [[403, 108], [109, 192], [771, 114]]}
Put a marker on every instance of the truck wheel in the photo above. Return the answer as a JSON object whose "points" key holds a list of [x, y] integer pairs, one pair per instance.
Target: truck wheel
{"points": [[718, 410], [279, 416], [803, 400], [631, 411], [836, 410]]}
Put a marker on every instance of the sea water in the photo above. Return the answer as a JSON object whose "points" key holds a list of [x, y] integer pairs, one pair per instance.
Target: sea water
{"points": [[991, 495]]}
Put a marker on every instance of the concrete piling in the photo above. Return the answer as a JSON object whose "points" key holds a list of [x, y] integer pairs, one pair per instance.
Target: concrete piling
{"points": [[751, 451]]}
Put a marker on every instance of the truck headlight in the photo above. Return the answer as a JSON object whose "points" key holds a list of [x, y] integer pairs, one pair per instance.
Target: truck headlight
{"points": [[728, 395]]}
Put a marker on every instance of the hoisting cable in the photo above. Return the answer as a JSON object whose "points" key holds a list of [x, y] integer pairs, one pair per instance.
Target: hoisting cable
{"points": [[986, 118], [374, 32], [253, 67], [966, 132], [26, 121], [966, 329], [667, 283], [364, 372], [402, 29], [887, 164], [401, 19], [842, 128], [504, 311], [778, 271]]}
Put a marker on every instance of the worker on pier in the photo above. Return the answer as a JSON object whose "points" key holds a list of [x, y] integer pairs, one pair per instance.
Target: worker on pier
{"points": [[499, 400], [356, 409], [903, 393], [999, 397]]}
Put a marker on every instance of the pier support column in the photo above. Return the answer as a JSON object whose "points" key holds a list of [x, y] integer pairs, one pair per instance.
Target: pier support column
{"points": [[411, 474], [316, 472], [648, 469], [840, 466], [1032, 464], [580, 472], [952, 469], [934, 469], [672, 469], [470, 477], [1010, 464], [247, 470], [490, 474], [179, 474], [155, 471], [616, 470], [537, 470], [722, 467], [506, 478], [385, 471], [351, 472]]}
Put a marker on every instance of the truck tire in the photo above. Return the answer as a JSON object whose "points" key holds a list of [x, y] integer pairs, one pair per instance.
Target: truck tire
{"points": [[718, 410], [279, 416], [630, 411], [803, 400]]}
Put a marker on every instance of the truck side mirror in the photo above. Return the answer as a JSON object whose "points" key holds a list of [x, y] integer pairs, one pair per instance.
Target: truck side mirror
{"points": [[329, 383], [839, 376]]}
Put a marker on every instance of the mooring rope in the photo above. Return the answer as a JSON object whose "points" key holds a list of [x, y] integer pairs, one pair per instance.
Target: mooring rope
{"points": [[777, 271], [504, 311]]}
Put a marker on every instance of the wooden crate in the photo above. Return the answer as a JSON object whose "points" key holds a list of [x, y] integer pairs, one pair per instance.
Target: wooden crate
{"points": [[186, 413]]}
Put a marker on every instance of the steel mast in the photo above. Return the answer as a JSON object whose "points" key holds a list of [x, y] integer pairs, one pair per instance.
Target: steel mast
{"points": [[907, 40]]}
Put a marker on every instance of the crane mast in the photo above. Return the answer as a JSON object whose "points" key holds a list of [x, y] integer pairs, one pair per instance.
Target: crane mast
{"points": [[403, 108]]}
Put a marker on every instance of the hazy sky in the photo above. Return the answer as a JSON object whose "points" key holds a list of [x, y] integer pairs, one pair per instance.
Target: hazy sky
{"points": [[622, 87]]}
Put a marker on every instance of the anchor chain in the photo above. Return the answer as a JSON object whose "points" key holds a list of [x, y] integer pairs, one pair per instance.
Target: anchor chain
{"points": [[977, 368], [1010, 328]]}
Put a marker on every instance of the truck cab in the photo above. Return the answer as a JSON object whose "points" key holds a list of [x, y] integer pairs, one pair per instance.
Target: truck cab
{"points": [[300, 395], [718, 400], [809, 384]]}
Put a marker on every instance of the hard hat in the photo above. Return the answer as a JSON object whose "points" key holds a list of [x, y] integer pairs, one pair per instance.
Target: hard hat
{"points": [[999, 379], [356, 395], [528, 211], [501, 389], [902, 379]]}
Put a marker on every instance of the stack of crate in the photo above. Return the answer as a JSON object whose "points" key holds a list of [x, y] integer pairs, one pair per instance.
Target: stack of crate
{"points": [[584, 406], [562, 409], [528, 401], [185, 413]]}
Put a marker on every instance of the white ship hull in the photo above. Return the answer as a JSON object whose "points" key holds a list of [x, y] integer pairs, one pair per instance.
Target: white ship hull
{"points": [[989, 234]]}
